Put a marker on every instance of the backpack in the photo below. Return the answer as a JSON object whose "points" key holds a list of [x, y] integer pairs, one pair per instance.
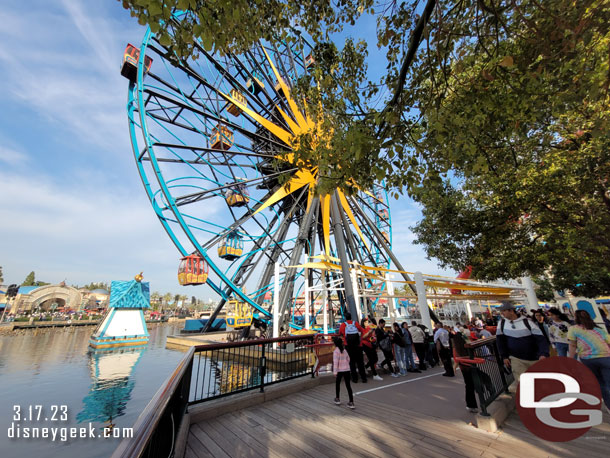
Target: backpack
{"points": [[526, 322], [352, 336], [385, 344]]}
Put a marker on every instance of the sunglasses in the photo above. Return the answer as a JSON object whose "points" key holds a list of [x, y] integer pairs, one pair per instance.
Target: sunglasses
{"points": [[513, 325]]}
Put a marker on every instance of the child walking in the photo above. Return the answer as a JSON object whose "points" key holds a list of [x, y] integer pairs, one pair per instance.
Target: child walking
{"points": [[341, 370]]}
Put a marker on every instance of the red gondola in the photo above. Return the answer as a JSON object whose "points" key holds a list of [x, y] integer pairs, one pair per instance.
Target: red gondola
{"points": [[193, 270], [129, 68]]}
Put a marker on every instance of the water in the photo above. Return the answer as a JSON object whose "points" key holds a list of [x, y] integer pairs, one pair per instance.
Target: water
{"points": [[56, 369]]}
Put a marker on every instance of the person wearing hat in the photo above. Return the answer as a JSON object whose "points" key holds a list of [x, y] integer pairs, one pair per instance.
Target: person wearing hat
{"points": [[520, 342]]}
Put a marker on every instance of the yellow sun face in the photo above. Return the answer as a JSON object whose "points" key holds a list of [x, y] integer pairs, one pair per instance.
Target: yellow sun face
{"points": [[298, 124]]}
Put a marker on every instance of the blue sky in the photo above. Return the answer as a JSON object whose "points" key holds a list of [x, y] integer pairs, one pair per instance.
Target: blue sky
{"points": [[72, 205]]}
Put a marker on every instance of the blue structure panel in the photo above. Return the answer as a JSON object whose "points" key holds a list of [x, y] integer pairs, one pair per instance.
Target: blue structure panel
{"points": [[129, 295]]}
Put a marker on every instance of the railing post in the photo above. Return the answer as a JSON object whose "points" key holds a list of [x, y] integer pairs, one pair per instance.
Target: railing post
{"points": [[500, 366], [262, 367], [478, 387]]}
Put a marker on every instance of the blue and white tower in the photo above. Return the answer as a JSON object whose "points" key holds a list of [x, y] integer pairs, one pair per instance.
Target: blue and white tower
{"points": [[124, 324]]}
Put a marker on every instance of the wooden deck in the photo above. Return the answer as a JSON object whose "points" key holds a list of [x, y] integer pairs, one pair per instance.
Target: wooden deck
{"points": [[308, 424]]}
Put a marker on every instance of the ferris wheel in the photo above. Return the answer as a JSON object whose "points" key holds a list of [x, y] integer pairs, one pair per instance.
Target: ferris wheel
{"points": [[211, 137]]}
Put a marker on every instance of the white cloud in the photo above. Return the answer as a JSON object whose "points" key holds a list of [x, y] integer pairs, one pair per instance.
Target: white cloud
{"points": [[12, 156]]}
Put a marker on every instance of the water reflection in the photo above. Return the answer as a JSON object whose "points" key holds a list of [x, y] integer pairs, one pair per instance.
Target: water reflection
{"points": [[111, 384]]}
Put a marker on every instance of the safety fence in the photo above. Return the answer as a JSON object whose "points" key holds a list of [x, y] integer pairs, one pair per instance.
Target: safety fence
{"points": [[227, 368], [491, 378], [212, 371]]}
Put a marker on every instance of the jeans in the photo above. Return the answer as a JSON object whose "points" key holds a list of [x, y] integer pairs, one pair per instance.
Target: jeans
{"points": [[410, 361], [562, 348], [601, 369], [401, 360]]}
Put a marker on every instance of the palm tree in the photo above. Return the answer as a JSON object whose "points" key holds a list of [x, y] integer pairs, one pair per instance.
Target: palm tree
{"points": [[166, 298], [155, 298]]}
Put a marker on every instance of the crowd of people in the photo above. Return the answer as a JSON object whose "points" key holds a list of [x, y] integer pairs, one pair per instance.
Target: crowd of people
{"points": [[521, 339]]}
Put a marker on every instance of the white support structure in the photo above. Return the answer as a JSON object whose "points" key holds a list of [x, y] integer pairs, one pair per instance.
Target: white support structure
{"points": [[307, 298], [356, 289], [469, 310], [530, 292], [276, 303], [422, 301], [392, 300], [324, 306]]}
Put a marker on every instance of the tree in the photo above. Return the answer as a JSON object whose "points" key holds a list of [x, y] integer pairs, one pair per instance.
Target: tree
{"points": [[495, 120], [29, 280], [97, 285], [1, 276], [155, 299], [515, 130], [166, 298]]}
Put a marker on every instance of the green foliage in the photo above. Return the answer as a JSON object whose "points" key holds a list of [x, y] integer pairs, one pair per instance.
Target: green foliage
{"points": [[30, 280], [544, 289], [516, 117], [97, 285], [1, 276], [498, 127]]}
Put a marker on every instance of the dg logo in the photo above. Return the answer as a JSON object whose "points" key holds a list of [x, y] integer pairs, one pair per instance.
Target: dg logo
{"points": [[559, 399]]}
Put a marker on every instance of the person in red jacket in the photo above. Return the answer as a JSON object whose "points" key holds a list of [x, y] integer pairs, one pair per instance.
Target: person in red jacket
{"points": [[369, 346], [351, 331]]}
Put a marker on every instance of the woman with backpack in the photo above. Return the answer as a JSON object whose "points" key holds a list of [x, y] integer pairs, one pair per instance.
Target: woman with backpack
{"points": [[341, 369], [369, 346], [384, 341]]}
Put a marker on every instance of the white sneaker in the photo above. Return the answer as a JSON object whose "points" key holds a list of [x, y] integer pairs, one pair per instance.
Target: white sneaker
{"points": [[376, 377], [395, 375], [472, 410]]}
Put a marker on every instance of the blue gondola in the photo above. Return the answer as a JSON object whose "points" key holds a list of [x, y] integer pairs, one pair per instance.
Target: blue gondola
{"points": [[231, 246]]}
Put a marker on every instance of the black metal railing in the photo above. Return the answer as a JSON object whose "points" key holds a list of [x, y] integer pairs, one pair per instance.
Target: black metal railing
{"points": [[233, 367], [156, 429], [490, 376], [217, 370]]}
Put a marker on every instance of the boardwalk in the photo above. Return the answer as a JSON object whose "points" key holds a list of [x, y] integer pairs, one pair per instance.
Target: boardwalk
{"points": [[417, 417]]}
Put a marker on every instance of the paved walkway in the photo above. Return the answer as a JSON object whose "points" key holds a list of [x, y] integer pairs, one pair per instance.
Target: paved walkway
{"points": [[421, 415]]}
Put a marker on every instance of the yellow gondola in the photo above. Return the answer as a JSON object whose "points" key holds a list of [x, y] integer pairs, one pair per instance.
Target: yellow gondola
{"points": [[239, 97], [237, 195], [221, 138], [231, 246]]}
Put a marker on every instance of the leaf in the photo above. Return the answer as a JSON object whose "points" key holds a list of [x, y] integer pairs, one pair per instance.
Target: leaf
{"points": [[488, 76], [507, 61]]}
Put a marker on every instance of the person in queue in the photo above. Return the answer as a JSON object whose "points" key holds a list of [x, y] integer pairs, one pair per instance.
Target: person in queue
{"points": [[592, 344], [399, 348], [369, 346], [419, 339], [411, 367], [441, 341], [558, 331], [351, 331], [384, 340], [520, 342]]}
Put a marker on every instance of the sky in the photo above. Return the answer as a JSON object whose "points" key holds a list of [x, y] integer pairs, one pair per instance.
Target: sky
{"points": [[72, 206]]}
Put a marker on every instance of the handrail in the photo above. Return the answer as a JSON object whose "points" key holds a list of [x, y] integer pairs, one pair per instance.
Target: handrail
{"points": [[480, 342], [148, 420], [249, 343]]}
